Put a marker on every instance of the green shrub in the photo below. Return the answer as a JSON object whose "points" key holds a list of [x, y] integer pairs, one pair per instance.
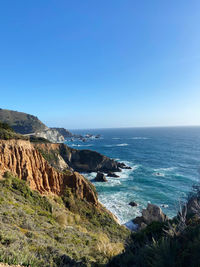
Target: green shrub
{"points": [[40, 231]]}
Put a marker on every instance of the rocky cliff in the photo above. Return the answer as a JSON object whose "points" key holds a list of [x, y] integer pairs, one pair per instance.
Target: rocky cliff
{"points": [[50, 217], [51, 134], [79, 160], [152, 213], [65, 133], [22, 159]]}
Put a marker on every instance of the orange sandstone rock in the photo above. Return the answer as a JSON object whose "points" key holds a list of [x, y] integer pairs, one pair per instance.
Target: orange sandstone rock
{"points": [[22, 159]]}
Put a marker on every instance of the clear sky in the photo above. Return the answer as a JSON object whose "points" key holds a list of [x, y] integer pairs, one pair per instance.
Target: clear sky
{"points": [[101, 63]]}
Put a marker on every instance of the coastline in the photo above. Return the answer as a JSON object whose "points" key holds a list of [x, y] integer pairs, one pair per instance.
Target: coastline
{"points": [[162, 160]]}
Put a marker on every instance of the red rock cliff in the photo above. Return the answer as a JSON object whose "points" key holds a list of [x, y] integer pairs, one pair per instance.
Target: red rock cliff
{"points": [[22, 159]]}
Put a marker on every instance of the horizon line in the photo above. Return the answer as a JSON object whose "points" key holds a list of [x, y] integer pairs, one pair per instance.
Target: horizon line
{"points": [[129, 127]]}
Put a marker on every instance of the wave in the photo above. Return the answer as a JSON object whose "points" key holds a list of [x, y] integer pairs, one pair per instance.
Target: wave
{"points": [[131, 226], [89, 176], [116, 138], [127, 173], [112, 182], [164, 206], [159, 174], [164, 170], [139, 138], [122, 144], [78, 145], [131, 164], [117, 203]]}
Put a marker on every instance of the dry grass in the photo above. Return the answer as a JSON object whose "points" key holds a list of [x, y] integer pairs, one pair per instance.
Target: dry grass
{"points": [[38, 231]]}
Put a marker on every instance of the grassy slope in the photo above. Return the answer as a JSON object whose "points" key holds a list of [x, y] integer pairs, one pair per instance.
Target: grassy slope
{"points": [[38, 230], [7, 133], [21, 122]]}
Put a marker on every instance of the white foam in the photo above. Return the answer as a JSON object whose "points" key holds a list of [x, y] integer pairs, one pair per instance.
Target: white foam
{"points": [[90, 176], [116, 145], [111, 183], [117, 204], [165, 169], [160, 174], [130, 225], [108, 145], [131, 164], [164, 206], [125, 173], [78, 145], [139, 138], [122, 144]]}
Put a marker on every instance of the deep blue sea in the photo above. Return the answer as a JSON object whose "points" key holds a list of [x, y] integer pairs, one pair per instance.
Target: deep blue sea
{"points": [[165, 164]]}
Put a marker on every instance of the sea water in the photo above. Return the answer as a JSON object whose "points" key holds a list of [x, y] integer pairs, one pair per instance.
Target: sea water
{"points": [[165, 165]]}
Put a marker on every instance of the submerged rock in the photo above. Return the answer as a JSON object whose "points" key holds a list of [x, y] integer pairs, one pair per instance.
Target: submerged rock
{"points": [[112, 174], [100, 177], [123, 166], [133, 204]]}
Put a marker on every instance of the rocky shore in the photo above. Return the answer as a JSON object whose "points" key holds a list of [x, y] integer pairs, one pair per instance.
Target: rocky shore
{"points": [[64, 157]]}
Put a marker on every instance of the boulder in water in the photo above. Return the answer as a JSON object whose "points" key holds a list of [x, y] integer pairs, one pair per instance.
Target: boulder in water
{"points": [[100, 177], [112, 174], [133, 204]]}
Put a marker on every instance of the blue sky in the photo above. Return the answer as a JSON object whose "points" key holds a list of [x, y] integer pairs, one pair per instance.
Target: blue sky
{"points": [[96, 64]]}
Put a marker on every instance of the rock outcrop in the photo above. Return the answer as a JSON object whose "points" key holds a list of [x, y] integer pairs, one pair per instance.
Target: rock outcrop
{"points": [[112, 174], [133, 204], [100, 177], [22, 159], [89, 161], [82, 160], [152, 213], [65, 133], [51, 134]]}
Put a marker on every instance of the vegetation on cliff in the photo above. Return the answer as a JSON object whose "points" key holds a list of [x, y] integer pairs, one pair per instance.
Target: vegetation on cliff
{"points": [[175, 243], [68, 226], [21, 122], [79, 160], [6, 132], [53, 231]]}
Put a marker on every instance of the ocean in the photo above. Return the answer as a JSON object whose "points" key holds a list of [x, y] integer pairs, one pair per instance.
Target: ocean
{"points": [[165, 165]]}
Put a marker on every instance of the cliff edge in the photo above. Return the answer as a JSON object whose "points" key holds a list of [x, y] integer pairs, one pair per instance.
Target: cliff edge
{"points": [[22, 159]]}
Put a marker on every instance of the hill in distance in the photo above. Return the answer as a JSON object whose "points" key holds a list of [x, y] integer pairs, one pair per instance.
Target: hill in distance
{"points": [[21, 122]]}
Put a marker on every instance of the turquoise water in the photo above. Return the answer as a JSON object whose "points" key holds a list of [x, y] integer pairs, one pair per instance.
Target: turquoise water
{"points": [[165, 164]]}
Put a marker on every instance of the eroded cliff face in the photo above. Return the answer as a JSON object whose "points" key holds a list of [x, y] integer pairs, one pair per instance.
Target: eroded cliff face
{"points": [[25, 161], [50, 134], [79, 160]]}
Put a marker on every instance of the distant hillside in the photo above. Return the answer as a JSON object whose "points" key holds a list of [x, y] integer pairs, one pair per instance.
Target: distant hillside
{"points": [[21, 122]]}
